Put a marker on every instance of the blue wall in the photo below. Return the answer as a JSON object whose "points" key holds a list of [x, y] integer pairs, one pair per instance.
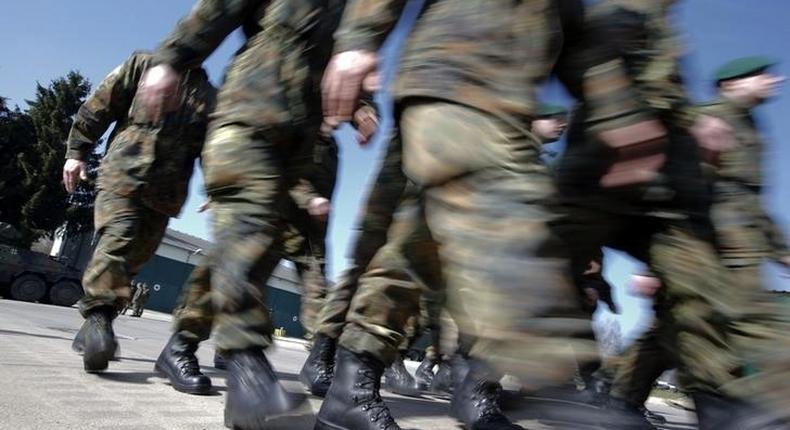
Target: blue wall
{"points": [[170, 275]]}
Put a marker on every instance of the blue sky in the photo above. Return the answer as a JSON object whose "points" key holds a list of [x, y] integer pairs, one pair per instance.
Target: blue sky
{"points": [[44, 39]]}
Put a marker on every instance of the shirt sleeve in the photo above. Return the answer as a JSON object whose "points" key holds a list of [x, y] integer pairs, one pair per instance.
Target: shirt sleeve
{"points": [[366, 23], [200, 33], [110, 102]]}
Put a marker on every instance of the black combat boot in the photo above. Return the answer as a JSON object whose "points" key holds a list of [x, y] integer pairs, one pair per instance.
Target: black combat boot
{"points": [[78, 345], [399, 381], [424, 374], [219, 362], [256, 400], [443, 380], [99, 339], [353, 402], [177, 362], [318, 369], [476, 397]]}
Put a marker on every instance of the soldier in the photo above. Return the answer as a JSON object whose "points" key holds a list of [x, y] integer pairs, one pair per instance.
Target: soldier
{"points": [[268, 113], [140, 300], [132, 293], [143, 181], [745, 234], [464, 97]]}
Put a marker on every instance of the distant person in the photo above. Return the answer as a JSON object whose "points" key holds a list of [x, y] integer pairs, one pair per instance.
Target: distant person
{"points": [[141, 298]]}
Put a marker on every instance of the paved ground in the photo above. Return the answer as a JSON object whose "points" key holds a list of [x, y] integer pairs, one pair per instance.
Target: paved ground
{"points": [[44, 386]]}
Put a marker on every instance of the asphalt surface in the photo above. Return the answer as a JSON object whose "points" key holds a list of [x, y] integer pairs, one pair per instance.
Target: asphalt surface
{"points": [[45, 387]]}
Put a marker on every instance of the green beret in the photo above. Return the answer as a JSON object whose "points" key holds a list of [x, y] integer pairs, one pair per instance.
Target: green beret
{"points": [[742, 67], [546, 110]]}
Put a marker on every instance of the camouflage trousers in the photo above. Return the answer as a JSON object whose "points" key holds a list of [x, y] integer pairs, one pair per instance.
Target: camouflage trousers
{"points": [[371, 235], [246, 173], [194, 315], [391, 232], [508, 286], [128, 234], [304, 242]]}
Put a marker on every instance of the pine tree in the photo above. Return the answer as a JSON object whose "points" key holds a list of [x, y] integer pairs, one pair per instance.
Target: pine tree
{"points": [[41, 164], [16, 137]]}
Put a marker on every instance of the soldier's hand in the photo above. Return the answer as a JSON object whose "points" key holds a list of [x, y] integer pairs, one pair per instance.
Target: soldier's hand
{"points": [[343, 81], [713, 136], [319, 208], [73, 172], [158, 92], [367, 123]]}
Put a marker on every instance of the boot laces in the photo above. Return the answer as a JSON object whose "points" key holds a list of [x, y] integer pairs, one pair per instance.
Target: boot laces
{"points": [[188, 364], [485, 397], [373, 404]]}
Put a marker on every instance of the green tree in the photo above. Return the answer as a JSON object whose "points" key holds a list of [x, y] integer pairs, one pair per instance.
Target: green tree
{"points": [[16, 137], [47, 206]]}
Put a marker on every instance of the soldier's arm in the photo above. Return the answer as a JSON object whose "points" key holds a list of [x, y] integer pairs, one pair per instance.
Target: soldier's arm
{"points": [[366, 23], [200, 33], [303, 192], [110, 102], [607, 88]]}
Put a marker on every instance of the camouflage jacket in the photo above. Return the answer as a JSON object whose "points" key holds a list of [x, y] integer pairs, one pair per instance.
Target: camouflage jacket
{"points": [[274, 80], [487, 54], [152, 161], [641, 33]]}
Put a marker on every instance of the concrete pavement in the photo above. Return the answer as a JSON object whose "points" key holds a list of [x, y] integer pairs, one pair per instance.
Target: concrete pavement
{"points": [[45, 387]]}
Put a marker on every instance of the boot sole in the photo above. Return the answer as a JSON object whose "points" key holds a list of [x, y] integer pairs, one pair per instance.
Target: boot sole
{"points": [[321, 425], [299, 418], [97, 362], [181, 387], [116, 355], [408, 392]]}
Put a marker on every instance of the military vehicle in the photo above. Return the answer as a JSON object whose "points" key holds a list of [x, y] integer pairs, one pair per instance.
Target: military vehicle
{"points": [[35, 277]]}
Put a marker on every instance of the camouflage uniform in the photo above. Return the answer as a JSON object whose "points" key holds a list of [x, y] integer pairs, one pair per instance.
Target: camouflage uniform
{"points": [[464, 97], [143, 178], [303, 244], [267, 116], [745, 236]]}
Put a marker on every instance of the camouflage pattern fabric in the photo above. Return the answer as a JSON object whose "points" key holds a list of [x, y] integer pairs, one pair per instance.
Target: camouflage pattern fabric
{"points": [[303, 244], [128, 234], [151, 161], [371, 235], [745, 236], [463, 121], [388, 295], [268, 112]]}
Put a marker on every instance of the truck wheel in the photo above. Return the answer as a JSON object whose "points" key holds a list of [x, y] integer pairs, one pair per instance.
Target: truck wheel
{"points": [[65, 293], [28, 288]]}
